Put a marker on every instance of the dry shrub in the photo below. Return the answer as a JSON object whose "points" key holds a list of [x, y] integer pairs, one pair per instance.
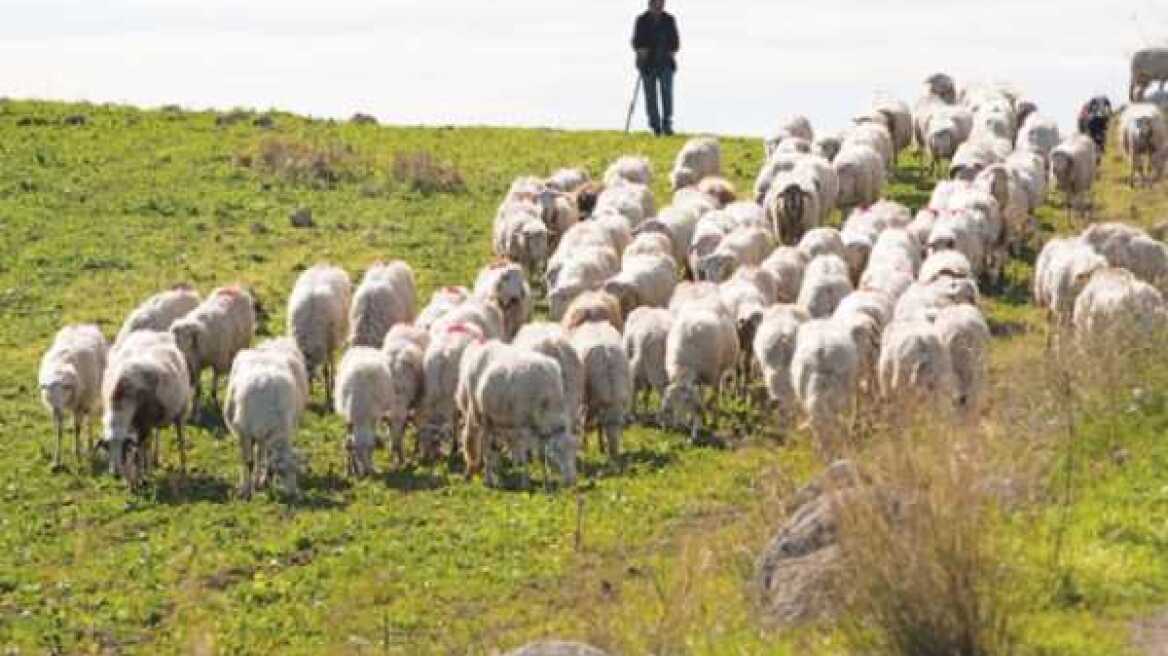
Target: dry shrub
{"points": [[420, 172], [318, 165]]}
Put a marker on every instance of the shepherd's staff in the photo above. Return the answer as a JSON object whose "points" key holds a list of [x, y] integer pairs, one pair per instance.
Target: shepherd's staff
{"points": [[633, 104]]}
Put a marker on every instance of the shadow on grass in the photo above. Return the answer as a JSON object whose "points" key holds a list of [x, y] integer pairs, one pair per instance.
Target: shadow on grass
{"points": [[632, 462], [173, 488], [412, 479]]}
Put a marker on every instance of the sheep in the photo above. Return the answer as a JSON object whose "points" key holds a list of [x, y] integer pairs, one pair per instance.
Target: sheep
{"points": [[701, 348], [678, 226], [943, 87], [827, 146], [792, 206], [786, 265], [484, 315], [1145, 141], [824, 371], [970, 159], [778, 163], [318, 318], [519, 401], [406, 359], [915, 369], [70, 383], [793, 145], [364, 396], [826, 282], [1038, 134], [643, 280], [942, 263], [265, 397], [211, 334], [797, 127], [1029, 168], [698, 158], [585, 198], [942, 130], [960, 231], [1147, 66], [772, 348], [160, 311], [719, 188], [608, 385], [633, 202], [746, 300], [1072, 165], [586, 271], [1117, 310], [442, 301], [386, 296], [521, 235], [898, 121], [647, 244], [568, 180], [922, 301], [440, 367], [1130, 248], [145, 387], [586, 236], [503, 284], [595, 305], [745, 246], [821, 241], [701, 294], [646, 331], [876, 136], [896, 249], [965, 336], [861, 174], [877, 304], [629, 168], [552, 340]]}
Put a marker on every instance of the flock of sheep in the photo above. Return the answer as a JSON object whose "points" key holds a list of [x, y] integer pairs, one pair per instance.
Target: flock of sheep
{"points": [[708, 295]]}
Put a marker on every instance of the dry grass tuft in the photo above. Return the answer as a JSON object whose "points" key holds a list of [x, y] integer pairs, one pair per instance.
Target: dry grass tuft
{"points": [[420, 172], [319, 166]]}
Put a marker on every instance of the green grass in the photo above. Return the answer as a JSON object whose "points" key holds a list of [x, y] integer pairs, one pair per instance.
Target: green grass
{"points": [[95, 218]]}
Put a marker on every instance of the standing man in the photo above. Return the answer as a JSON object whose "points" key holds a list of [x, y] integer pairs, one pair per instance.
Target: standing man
{"points": [[655, 41]]}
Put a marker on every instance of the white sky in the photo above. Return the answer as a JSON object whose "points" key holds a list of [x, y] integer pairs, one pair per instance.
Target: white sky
{"points": [[563, 64]]}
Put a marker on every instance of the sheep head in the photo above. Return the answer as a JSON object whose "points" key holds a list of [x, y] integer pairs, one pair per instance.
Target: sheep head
{"points": [[188, 334], [683, 177], [1061, 167], [680, 404], [717, 267], [59, 388], [561, 450]]}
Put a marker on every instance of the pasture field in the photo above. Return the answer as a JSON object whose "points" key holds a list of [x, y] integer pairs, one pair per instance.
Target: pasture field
{"points": [[101, 206]]}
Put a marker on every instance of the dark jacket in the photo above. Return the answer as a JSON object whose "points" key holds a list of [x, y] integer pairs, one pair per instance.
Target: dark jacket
{"points": [[659, 36]]}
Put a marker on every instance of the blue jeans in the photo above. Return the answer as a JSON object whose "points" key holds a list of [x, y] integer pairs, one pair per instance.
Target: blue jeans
{"points": [[651, 77]]}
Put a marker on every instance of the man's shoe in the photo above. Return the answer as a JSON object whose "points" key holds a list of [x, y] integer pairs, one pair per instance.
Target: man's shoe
{"points": [[668, 130]]}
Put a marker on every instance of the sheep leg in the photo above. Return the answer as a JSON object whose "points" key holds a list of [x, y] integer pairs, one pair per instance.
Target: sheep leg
{"points": [[519, 454], [182, 447], [397, 436], [77, 438], [59, 425], [613, 431], [600, 439], [247, 472], [491, 465]]}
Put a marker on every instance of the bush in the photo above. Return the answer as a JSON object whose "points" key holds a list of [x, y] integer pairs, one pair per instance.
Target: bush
{"points": [[421, 173], [297, 162]]}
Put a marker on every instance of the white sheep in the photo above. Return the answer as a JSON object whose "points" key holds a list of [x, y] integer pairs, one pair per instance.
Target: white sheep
{"points": [[643, 280], [587, 270], [318, 318], [650, 243], [789, 127], [826, 281], [608, 386], [520, 235], [504, 284], [146, 386], [568, 179], [898, 119], [262, 408], [861, 174], [921, 301], [773, 348], [483, 314], [595, 305], [386, 297], [211, 334], [1118, 311], [744, 246], [792, 206], [1130, 248], [786, 265], [406, 357], [942, 263], [874, 135], [966, 336], [551, 340], [824, 375], [646, 331], [633, 202], [822, 241], [698, 158], [440, 366], [160, 311], [364, 396], [1072, 165], [442, 301], [1144, 134], [702, 347], [701, 294], [1038, 134], [915, 369], [70, 383], [629, 168]]}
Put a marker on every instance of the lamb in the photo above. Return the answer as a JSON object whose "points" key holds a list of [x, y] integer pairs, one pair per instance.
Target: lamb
{"points": [[406, 358], [597, 305], [942, 131], [440, 367], [643, 280], [1072, 165], [1147, 66], [629, 168], [646, 332], [145, 387], [503, 284], [442, 301], [70, 383], [824, 375], [701, 348], [966, 336], [364, 396], [1145, 141], [318, 318], [786, 265], [386, 296], [284, 350], [745, 246], [699, 157], [773, 348], [212, 333], [160, 311], [587, 270], [915, 368], [551, 340], [860, 170], [262, 409], [826, 282], [520, 403], [608, 385], [1130, 248], [1117, 310]]}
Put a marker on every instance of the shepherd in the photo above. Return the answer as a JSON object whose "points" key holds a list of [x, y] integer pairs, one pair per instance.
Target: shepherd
{"points": [[655, 41]]}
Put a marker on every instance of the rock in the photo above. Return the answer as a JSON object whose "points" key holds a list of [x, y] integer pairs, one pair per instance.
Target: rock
{"points": [[362, 119], [556, 648], [302, 218], [76, 119], [265, 121]]}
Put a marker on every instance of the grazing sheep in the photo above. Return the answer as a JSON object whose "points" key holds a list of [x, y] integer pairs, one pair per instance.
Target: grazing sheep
{"points": [[1130, 248], [943, 87], [773, 348], [971, 158], [915, 368], [588, 270], [633, 202], [827, 146], [440, 367], [826, 282], [1116, 310], [646, 331], [877, 304], [588, 236], [484, 315], [875, 136], [702, 347], [629, 168], [744, 246], [595, 305], [1145, 141], [824, 374], [608, 385], [318, 318], [70, 383], [966, 336], [503, 284], [698, 158], [1038, 134], [364, 396], [160, 311], [1147, 66], [746, 300], [386, 297], [720, 189], [284, 350], [406, 359], [786, 265], [262, 407], [442, 301], [897, 119], [780, 162], [643, 280], [211, 334], [649, 243], [943, 263], [860, 170], [568, 180], [520, 235], [701, 294], [922, 301], [146, 386], [1072, 165], [551, 340]]}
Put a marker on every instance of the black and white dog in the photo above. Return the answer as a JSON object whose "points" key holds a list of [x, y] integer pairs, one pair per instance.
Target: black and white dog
{"points": [[1094, 119]]}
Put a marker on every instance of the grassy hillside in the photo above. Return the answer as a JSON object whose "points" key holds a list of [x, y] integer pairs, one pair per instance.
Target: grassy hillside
{"points": [[97, 214]]}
